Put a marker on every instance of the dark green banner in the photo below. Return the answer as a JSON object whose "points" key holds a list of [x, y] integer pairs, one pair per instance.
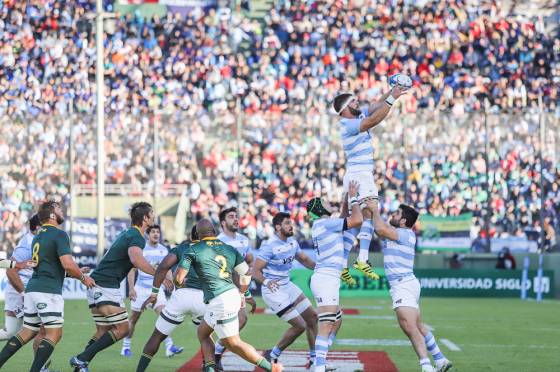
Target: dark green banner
{"points": [[443, 282], [482, 283]]}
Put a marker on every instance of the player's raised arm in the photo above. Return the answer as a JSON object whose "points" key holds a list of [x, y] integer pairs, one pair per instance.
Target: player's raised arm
{"points": [[381, 109], [137, 259], [382, 228]]}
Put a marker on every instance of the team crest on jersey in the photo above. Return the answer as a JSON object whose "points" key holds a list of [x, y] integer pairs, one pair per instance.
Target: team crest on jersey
{"points": [[41, 306], [96, 295]]}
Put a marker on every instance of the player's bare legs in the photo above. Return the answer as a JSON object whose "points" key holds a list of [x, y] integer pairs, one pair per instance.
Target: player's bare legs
{"points": [[408, 318], [117, 327], [51, 336], [442, 363]]}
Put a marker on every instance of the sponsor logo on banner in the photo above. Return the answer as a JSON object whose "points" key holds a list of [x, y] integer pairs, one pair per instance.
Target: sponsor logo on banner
{"points": [[482, 283]]}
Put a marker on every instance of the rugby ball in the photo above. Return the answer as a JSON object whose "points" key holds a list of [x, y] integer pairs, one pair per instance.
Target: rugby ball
{"points": [[400, 79]]}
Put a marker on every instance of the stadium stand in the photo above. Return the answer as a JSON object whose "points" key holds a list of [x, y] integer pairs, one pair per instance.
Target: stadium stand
{"points": [[243, 107]]}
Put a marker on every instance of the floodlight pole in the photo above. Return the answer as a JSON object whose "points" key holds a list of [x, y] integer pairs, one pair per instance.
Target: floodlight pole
{"points": [[99, 78]]}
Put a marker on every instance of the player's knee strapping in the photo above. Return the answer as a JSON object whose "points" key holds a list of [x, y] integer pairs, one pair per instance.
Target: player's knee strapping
{"points": [[117, 318], [303, 305], [100, 320], [327, 317], [288, 313], [35, 327]]}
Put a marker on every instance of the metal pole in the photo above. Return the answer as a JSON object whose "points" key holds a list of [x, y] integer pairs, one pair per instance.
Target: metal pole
{"points": [[99, 75], [71, 161], [488, 189], [156, 160], [541, 166], [238, 134], [403, 156]]}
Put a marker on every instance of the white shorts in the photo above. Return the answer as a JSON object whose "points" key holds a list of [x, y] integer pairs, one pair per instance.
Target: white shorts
{"points": [[406, 293], [222, 313], [326, 289], [98, 296], [43, 308], [367, 189], [282, 299], [142, 295], [13, 301], [183, 301]]}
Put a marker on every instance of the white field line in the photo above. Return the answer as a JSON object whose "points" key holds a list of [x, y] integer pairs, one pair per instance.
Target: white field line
{"points": [[379, 317], [450, 345]]}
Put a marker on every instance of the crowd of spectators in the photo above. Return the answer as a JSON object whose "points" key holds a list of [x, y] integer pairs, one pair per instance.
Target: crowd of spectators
{"points": [[242, 108]]}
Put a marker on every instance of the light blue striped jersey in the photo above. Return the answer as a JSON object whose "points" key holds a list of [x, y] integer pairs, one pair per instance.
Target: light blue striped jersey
{"points": [[398, 256], [154, 255], [357, 145], [23, 252], [279, 256], [328, 239], [239, 242]]}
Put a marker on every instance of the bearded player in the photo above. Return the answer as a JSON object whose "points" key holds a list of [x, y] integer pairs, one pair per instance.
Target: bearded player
{"points": [[355, 124]]}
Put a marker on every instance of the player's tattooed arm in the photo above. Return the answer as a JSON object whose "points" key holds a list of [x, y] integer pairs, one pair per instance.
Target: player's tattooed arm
{"points": [[382, 228], [344, 212]]}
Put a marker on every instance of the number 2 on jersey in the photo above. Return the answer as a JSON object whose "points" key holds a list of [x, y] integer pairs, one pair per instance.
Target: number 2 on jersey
{"points": [[223, 262], [35, 253]]}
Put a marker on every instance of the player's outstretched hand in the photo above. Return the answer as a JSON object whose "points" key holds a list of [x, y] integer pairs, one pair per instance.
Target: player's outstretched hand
{"points": [[132, 294], [25, 264], [398, 90], [150, 301], [89, 282], [251, 301], [353, 188]]}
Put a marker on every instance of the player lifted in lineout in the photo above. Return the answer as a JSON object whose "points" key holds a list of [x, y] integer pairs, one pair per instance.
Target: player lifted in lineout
{"points": [[154, 253], [355, 125], [328, 238], [398, 260], [105, 299], [43, 302], [215, 262]]}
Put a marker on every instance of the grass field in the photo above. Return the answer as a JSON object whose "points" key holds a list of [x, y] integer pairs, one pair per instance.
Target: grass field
{"points": [[492, 334]]}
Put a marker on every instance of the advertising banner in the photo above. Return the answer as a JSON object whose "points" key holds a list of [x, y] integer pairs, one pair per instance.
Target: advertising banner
{"points": [[443, 283], [451, 233], [84, 238], [482, 283]]}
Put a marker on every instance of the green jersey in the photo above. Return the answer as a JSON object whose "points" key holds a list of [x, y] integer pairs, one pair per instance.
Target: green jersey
{"points": [[191, 281], [47, 247], [115, 265], [213, 261]]}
